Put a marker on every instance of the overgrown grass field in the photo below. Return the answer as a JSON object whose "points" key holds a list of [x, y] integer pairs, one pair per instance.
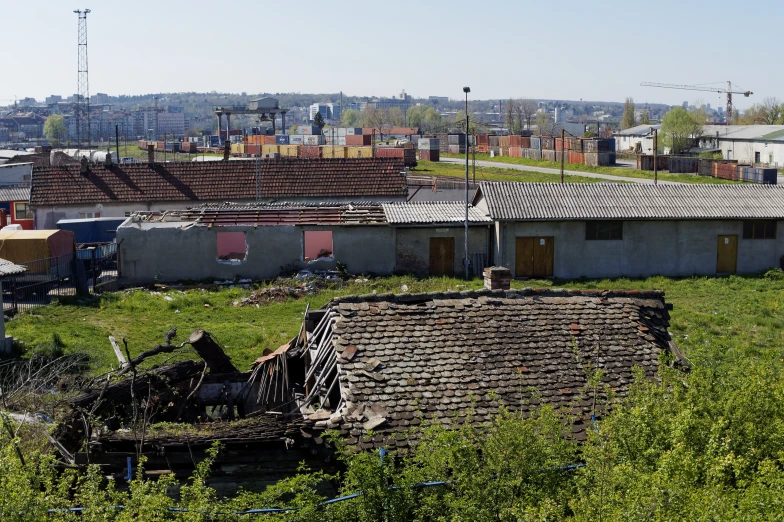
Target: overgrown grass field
{"points": [[612, 171], [715, 320], [451, 170]]}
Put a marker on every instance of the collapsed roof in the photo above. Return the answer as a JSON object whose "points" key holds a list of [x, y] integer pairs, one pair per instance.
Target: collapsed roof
{"points": [[383, 363]]}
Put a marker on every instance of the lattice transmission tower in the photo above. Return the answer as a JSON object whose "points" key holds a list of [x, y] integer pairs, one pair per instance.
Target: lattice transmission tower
{"points": [[82, 102]]}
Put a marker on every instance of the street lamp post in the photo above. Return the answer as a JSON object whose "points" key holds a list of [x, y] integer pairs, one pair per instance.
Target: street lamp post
{"points": [[466, 90]]}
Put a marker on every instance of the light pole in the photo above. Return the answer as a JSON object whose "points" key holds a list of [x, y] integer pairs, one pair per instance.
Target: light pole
{"points": [[466, 90]]}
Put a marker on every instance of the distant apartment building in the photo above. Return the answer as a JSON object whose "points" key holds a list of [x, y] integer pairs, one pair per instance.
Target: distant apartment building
{"points": [[402, 102], [328, 111], [171, 124], [145, 122], [438, 99], [53, 99], [99, 99]]}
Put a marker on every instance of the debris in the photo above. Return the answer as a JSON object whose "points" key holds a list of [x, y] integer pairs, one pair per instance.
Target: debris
{"points": [[168, 298], [176, 311], [404, 288]]}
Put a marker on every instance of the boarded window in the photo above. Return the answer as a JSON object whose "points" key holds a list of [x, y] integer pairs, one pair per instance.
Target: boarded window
{"points": [[759, 230], [232, 247], [603, 230], [318, 245]]}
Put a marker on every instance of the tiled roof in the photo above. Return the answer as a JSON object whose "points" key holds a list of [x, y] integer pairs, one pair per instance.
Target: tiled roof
{"points": [[7, 268], [457, 355], [219, 181], [549, 201], [14, 194], [431, 212]]}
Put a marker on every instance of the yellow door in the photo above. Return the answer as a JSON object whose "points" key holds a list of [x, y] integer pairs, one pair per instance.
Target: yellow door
{"points": [[727, 255], [534, 256]]}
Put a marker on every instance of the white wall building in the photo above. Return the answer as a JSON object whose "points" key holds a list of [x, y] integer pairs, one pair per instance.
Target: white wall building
{"points": [[641, 135], [749, 144]]}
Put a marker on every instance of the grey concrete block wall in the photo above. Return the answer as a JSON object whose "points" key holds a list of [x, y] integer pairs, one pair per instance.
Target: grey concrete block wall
{"points": [[669, 248], [168, 252], [413, 246]]}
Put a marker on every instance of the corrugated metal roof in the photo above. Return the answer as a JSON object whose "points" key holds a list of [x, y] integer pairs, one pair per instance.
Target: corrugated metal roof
{"points": [[742, 132], [549, 201], [639, 130], [14, 194], [432, 212], [7, 268]]}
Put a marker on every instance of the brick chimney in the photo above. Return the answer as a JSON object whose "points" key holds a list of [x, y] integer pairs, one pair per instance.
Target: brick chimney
{"points": [[150, 154], [226, 150], [497, 278]]}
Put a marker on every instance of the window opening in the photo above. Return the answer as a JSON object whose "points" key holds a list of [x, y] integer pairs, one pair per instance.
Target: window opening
{"points": [[603, 230], [759, 230], [23, 211], [232, 247], [318, 245]]}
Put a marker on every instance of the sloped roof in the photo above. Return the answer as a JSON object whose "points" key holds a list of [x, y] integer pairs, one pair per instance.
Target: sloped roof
{"points": [[14, 194], [432, 212], [7, 268], [452, 355], [744, 132], [550, 201], [639, 130], [219, 181]]}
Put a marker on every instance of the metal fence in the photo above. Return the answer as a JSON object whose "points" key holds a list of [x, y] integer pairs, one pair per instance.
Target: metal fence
{"points": [[92, 270]]}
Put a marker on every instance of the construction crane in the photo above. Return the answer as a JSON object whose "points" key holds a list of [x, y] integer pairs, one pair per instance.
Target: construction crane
{"points": [[728, 91]]}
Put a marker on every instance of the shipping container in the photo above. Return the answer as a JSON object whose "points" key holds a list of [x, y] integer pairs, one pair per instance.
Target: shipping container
{"points": [[684, 165], [548, 155], [253, 149], [574, 144], [282, 139], [645, 162], [429, 155], [535, 154], [574, 157], [310, 151], [270, 149], [536, 142], [482, 149], [482, 139], [316, 140], [560, 144], [597, 159], [493, 141], [289, 151], [351, 131], [296, 139], [360, 152], [428, 144], [548, 142], [598, 145], [359, 140], [515, 152], [456, 139], [307, 130], [514, 141], [525, 142], [503, 141], [333, 152], [456, 149]]}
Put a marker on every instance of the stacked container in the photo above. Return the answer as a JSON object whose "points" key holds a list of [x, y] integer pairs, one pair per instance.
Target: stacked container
{"points": [[360, 152], [334, 152], [358, 140]]}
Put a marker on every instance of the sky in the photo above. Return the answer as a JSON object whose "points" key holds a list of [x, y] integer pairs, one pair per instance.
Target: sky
{"points": [[517, 48]]}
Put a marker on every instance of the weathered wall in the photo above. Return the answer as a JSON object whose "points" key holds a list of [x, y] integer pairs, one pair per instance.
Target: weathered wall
{"points": [[413, 246], [167, 252], [670, 248]]}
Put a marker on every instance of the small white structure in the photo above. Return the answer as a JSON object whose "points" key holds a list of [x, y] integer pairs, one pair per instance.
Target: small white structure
{"points": [[749, 144], [630, 139]]}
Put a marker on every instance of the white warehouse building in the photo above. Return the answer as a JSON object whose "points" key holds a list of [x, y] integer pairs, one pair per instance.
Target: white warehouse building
{"points": [[749, 144]]}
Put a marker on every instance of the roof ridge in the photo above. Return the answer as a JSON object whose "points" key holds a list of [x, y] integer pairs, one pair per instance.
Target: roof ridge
{"points": [[517, 293]]}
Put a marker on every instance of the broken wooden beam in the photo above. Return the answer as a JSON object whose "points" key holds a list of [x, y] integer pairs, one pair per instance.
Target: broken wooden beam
{"points": [[216, 359]]}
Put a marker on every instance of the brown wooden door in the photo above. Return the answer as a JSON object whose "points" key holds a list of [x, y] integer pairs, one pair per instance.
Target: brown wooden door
{"points": [[727, 254], [534, 256], [442, 256]]}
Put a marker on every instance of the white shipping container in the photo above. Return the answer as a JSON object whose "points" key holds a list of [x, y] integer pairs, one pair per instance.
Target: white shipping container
{"points": [[313, 140], [428, 144], [296, 139]]}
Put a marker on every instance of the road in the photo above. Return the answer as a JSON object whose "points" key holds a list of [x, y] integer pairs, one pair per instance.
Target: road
{"points": [[517, 166]]}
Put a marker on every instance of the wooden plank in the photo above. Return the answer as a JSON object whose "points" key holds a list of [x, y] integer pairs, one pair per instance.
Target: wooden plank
{"points": [[117, 352]]}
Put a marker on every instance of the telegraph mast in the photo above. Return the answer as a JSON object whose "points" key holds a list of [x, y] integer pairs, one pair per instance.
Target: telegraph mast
{"points": [[82, 102]]}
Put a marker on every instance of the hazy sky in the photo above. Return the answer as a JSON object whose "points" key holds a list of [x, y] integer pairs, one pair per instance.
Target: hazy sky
{"points": [[561, 49]]}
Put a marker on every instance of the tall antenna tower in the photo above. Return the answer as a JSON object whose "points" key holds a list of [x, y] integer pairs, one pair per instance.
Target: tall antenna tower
{"points": [[82, 105]]}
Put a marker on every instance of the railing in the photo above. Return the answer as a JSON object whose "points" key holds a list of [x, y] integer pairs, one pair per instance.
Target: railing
{"points": [[91, 270]]}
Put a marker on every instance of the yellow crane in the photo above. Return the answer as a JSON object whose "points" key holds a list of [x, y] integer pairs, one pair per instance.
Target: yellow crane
{"points": [[728, 91]]}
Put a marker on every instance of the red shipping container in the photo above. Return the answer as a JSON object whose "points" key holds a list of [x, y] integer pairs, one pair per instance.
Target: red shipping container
{"points": [[481, 139], [515, 152], [576, 158], [389, 152], [429, 155], [359, 140], [525, 142], [559, 144], [309, 151], [482, 149], [514, 141], [253, 149]]}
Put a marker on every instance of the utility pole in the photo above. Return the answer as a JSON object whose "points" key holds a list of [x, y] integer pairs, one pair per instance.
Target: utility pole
{"points": [[655, 156], [82, 102], [117, 141], [466, 90], [563, 149]]}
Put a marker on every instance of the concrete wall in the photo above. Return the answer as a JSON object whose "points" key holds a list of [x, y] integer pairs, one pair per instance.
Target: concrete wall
{"points": [[771, 152], [412, 246], [169, 252], [670, 248]]}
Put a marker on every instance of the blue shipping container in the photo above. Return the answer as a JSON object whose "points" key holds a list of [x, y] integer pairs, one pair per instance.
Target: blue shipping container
{"points": [[96, 230], [282, 139]]}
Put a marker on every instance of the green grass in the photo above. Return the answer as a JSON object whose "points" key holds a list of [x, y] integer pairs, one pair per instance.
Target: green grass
{"points": [[131, 149], [715, 320], [611, 171], [451, 170]]}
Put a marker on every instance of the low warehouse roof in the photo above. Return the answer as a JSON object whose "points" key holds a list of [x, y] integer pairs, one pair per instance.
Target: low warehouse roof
{"points": [[402, 358], [432, 212], [611, 201], [219, 181]]}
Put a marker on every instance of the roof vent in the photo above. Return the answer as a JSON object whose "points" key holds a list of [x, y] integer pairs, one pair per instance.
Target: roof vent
{"points": [[84, 166]]}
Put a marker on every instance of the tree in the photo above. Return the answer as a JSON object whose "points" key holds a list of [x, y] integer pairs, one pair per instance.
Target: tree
{"points": [[396, 117], [54, 129], [510, 116], [645, 119], [432, 121], [772, 111], [318, 121], [528, 110], [679, 126], [351, 118], [376, 119], [543, 123], [628, 121]]}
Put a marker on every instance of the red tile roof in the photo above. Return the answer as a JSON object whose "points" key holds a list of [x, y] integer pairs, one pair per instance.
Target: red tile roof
{"points": [[219, 181]]}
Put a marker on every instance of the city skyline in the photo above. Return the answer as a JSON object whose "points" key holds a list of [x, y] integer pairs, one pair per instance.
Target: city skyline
{"points": [[514, 50]]}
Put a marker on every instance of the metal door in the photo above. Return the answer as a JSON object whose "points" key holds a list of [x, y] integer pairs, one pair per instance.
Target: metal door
{"points": [[727, 254], [442, 256]]}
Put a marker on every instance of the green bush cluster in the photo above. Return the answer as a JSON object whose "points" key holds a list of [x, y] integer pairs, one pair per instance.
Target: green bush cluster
{"points": [[708, 445]]}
